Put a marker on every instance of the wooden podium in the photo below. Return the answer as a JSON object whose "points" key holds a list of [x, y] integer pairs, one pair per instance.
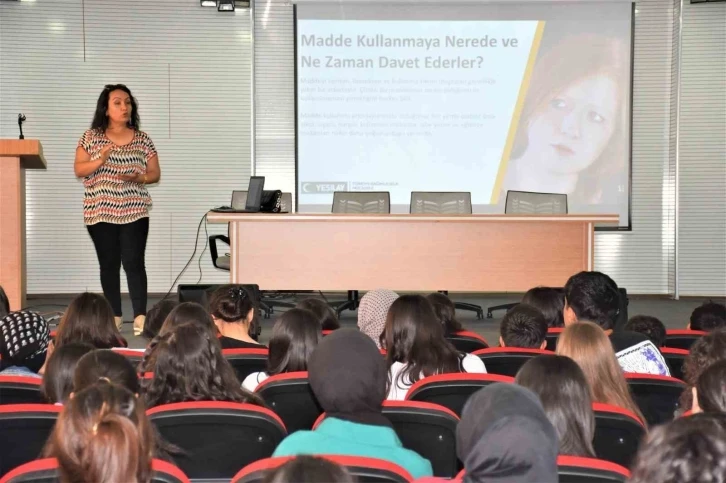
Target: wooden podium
{"points": [[16, 155]]}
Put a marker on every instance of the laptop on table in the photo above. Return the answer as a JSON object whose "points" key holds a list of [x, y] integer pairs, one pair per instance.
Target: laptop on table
{"points": [[254, 198]]}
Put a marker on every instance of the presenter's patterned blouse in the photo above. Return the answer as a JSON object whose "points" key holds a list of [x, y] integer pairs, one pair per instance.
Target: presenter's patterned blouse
{"points": [[108, 198]]}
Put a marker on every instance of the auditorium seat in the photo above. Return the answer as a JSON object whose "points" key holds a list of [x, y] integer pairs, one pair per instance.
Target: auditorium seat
{"points": [[246, 361], [327, 332], [682, 338], [428, 429], [46, 471], [20, 390], [576, 469], [452, 390], [24, 429], [553, 333], [656, 396], [364, 470], [217, 437], [467, 342], [675, 359], [134, 357], [290, 396], [507, 360], [617, 433]]}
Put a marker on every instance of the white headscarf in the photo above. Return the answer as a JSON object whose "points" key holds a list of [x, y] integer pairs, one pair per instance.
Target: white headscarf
{"points": [[372, 312]]}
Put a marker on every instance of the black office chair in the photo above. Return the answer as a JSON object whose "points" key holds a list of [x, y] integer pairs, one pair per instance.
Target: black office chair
{"points": [[361, 202]]}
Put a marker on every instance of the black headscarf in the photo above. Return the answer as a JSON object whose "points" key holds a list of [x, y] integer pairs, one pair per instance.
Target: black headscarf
{"points": [[505, 436], [348, 376]]}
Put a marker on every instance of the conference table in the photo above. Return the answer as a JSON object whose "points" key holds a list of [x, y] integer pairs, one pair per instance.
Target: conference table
{"points": [[408, 252]]}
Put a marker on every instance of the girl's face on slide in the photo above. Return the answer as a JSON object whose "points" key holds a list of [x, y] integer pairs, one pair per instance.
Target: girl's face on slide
{"points": [[572, 130], [119, 106]]}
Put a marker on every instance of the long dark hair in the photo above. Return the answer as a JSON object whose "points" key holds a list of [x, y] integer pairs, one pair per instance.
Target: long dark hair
{"points": [[58, 377], [189, 366], [562, 387], [326, 315], [445, 311], [4, 303], [187, 313], [550, 301], [706, 351], [413, 336], [89, 319], [156, 316], [711, 388], [105, 364], [294, 337], [100, 119]]}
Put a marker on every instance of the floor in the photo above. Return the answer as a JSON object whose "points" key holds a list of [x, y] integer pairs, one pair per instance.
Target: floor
{"points": [[673, 313]]}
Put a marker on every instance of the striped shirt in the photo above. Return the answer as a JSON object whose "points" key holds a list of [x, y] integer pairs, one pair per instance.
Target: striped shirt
{"points": [[108, 198]]}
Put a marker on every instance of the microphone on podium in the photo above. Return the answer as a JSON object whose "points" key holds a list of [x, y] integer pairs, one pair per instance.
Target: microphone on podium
{"points": [[21, 118]]}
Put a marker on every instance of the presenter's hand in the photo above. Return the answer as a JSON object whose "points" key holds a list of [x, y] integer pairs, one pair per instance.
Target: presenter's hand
{"points": [[106, 152], [133, 177]]}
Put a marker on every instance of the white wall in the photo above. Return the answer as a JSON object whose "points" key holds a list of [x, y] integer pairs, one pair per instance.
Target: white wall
{"points": [[188, 66]]}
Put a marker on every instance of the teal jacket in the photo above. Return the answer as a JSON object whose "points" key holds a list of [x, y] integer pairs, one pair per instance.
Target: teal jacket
{"points": [[336, 436]]}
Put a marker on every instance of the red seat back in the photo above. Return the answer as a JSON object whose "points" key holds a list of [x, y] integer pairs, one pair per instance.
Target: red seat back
{"points": [[24, 429], [675, 359], [507, 360], [45, 470], [467, 342], [246, 361], [20, 390], [452, 390], [656, 396], [291, 397], [682, 338], [553, 333], [618, 433], [576, 469]]}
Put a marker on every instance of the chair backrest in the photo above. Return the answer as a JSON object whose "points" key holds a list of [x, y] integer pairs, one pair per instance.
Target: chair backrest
{"points": [[134, 357], [24, 429], [20, 390], [218, 437], [246, 361], [291, 397], [286, 204], [426, 428], [675, 359], [682, 338], [441, 203], [451, 390], [656, 396], [239, 200], [553, 333], [369, 202], [617, 433], [467, 342], [507, 360], [576, 469], [46, 471], [364, 470], [530, 203]]}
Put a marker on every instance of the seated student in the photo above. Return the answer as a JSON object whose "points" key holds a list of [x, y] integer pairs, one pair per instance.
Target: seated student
{"points": [[707, 350], [445, 312], [326, 315], [709, 393], [372, 313], [416, 347], [709, 316], [348, 377], [295, 336], [107, 365], [233, 309], [548, 300], [523, 326], [504, 436], [587, 344], [565, 395], [188, 365], [594, 297], [89, 319], [24, 340], [57, 382], [103, 435], [650, 327], [686, 450], [309, 469], [155, 318], [4, 303], [187, 313]]}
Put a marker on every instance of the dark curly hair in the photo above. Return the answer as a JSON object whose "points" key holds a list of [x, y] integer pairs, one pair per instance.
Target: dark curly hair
{"points": [[711, 388], [189, 366], [100, 119], [707, 350], [445, 311]]}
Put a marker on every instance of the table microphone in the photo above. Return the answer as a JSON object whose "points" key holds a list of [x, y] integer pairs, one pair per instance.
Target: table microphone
{"points": [[21, 118]]}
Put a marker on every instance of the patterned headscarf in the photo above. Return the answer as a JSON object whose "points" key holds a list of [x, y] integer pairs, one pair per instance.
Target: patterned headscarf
{"points": [[23, 335], [372, 312]]}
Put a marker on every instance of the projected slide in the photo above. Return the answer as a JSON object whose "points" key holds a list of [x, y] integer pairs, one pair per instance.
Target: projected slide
{"points": [[485, 105]]}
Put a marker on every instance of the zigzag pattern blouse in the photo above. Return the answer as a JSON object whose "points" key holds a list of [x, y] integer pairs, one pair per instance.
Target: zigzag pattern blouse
{"points": [[107, 197]]}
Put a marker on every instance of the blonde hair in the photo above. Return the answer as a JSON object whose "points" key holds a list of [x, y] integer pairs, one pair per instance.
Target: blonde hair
{"points": [[588, 345]]}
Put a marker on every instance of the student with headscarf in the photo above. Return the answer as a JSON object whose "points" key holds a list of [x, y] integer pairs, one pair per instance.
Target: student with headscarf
{"points": [[348, 377], [24, 339], [504, 436], [372, 313]]}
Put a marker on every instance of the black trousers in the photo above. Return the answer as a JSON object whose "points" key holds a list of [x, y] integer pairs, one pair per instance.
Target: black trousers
{"points": [[125, 244]]}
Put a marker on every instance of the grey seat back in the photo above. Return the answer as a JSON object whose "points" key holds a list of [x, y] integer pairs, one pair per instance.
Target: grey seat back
{"points": [[369, 202], [530, 203], [441, 203]]}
